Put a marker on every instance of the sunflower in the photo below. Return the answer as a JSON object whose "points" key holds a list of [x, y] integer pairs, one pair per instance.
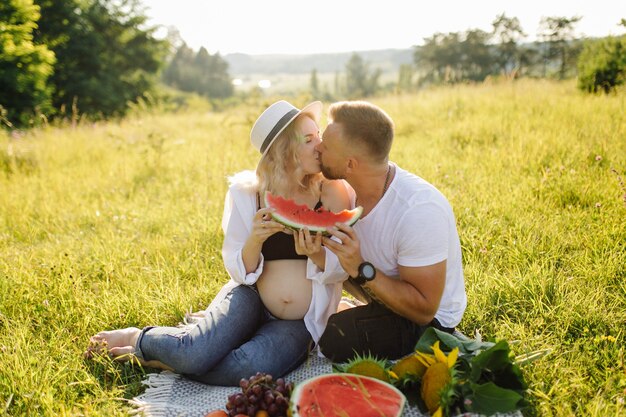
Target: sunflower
{"points": [[366, 365], [408, 367], [439, 379]]}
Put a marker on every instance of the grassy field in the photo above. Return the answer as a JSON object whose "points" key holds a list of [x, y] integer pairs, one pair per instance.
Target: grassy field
{"points": [[118, 224]]}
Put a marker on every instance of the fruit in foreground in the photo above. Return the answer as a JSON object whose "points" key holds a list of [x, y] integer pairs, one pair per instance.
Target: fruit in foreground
{"points": [[261, 395], [346, 395], [298, 216]]}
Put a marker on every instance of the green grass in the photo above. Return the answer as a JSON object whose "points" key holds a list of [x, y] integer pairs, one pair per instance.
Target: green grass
{"points": [[118, 224]]}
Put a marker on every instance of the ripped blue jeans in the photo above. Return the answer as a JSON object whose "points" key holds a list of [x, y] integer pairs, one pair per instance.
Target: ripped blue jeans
{"points": [[236, 339]]}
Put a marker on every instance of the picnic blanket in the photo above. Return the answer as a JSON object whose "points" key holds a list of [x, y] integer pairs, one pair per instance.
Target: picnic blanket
{"points": [[169, 394]]}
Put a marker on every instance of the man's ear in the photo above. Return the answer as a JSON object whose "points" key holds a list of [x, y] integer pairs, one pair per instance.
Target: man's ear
{"points": [[353, 164]]}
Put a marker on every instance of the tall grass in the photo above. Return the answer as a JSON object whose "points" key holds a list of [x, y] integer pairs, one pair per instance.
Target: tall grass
{"points": [[118, 224]]}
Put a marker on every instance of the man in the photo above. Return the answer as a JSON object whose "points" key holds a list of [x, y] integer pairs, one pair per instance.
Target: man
{"points": [[403, 256]]}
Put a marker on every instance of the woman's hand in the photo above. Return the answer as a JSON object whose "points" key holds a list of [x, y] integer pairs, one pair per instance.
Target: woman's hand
{"points": [[311, 246], [263, 226]]}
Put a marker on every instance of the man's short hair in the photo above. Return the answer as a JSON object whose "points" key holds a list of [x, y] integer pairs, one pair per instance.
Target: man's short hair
{"points": [[365, 125]]}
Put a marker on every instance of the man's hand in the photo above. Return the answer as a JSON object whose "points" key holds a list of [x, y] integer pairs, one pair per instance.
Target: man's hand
{"points": [[348, 251], [415, 294]]}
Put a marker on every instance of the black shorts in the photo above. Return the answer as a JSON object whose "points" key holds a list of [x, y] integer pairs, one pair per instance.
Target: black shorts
{"points": [[371, 329]]}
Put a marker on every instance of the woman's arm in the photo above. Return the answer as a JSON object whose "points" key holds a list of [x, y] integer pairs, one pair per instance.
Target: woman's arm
{"points": [[262, 228], [245, 230], [239, 209], [336, 196]]}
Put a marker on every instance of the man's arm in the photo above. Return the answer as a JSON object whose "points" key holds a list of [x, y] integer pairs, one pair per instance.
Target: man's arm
{"points": [[416, 295]]}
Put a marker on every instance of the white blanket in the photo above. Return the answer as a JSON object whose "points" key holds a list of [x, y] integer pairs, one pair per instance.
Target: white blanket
{"points": [[169, 394]]}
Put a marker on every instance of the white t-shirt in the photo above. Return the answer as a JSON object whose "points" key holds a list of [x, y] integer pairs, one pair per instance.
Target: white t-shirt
{"points": [[413, 225]]}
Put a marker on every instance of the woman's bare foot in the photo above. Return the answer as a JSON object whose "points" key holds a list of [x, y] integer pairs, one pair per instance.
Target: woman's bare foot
{"points": [[119, 344]]}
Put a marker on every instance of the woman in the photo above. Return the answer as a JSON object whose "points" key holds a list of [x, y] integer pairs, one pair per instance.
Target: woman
{"points": [[283, 288]]}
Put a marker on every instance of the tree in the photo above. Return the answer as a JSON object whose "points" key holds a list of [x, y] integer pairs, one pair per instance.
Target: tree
{"points": [[359, 81], [558, 33], [455, 56], [178, 72], [221, 85], [508, 32], [212, 75], [602, 64], [25, 66], [440, 57], [529, 59], [106, 55], [476, 59], [200, 72]]}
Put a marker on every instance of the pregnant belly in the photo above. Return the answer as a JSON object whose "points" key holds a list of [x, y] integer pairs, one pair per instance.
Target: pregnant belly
{"points": [[284, 289]]}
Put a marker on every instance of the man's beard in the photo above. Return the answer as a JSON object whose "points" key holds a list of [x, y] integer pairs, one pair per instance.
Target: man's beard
{"points": [[329, 174]]}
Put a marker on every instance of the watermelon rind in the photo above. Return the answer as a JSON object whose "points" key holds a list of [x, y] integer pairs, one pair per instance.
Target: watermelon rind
{"points": [[306, 384], [313, 229]]}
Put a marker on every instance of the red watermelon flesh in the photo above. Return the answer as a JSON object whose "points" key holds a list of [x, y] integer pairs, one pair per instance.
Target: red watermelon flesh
{"points": [[298, 216], [346, 395]]}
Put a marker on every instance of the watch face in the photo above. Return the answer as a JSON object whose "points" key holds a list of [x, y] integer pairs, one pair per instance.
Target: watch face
{"points": [[368, 271]]}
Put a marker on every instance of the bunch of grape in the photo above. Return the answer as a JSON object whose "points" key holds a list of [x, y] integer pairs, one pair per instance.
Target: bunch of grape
{"points": [[260, 392]]}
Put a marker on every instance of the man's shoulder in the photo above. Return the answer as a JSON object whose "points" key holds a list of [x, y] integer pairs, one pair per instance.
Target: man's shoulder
{"points": [[413, 189]]}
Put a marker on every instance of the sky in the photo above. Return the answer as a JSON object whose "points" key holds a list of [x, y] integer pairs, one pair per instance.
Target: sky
{"points": [[295, 27]]}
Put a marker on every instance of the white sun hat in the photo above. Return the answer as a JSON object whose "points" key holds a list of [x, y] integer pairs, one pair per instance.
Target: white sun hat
{"points": [[275, 119]]}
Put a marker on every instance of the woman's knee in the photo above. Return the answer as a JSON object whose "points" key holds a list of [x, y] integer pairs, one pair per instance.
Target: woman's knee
{"points": [[245, 295]]}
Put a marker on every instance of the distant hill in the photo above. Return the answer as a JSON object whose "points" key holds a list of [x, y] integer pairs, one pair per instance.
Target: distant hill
{"points": [[388, 60]]}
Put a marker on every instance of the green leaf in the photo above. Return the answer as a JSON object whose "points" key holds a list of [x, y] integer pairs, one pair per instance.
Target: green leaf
{"points": [[490, 399], [496, 365], [448, 342]]}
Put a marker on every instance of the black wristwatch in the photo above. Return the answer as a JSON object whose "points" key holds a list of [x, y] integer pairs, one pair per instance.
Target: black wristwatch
{"points": [[367, 273]]}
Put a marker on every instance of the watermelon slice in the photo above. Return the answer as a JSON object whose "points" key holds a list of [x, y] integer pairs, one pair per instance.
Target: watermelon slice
{"points": [[298, 216], [346, 395]]}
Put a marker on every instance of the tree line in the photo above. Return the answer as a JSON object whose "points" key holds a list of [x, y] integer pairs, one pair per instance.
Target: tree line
{"points": [[96, 57], [474, 55], [60, 56], [90, 57]]}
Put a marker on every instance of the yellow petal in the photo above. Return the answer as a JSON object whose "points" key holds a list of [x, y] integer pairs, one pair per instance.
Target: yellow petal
{"points": [[438, 413], [426, 359], [441, 357], [393, 374], [452, 357]]}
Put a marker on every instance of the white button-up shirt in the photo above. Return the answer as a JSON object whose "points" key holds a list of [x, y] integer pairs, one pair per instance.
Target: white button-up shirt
{"points": [[240, 207]]}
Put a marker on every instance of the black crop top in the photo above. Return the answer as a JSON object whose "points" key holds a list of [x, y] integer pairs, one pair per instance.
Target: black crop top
{"points": [[280, 245]]}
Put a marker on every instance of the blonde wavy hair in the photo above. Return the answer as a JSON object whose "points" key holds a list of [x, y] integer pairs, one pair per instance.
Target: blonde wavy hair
{"points": [[280, 171]]}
